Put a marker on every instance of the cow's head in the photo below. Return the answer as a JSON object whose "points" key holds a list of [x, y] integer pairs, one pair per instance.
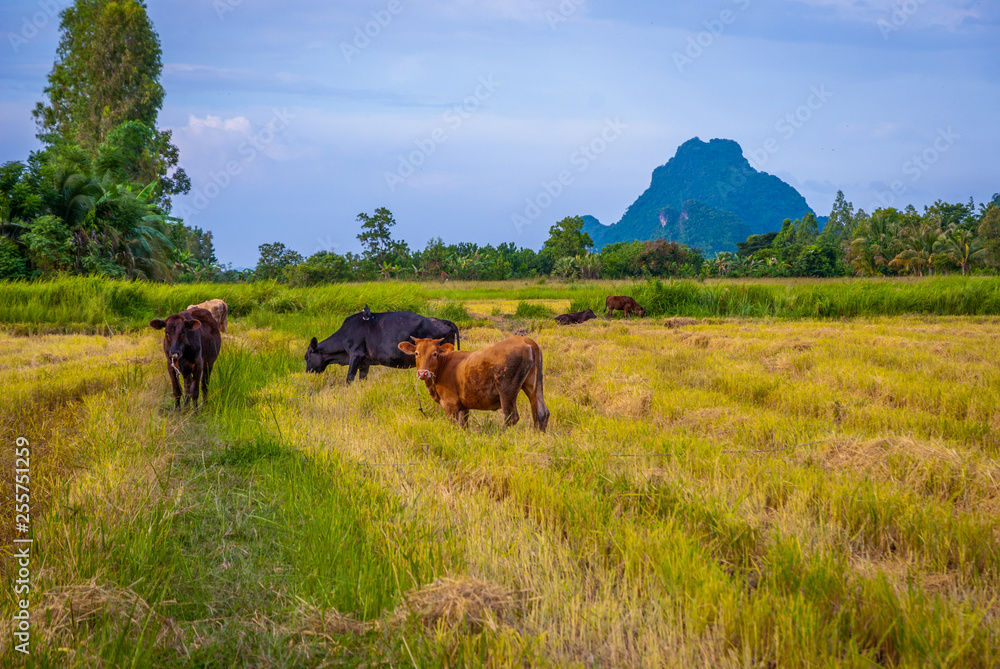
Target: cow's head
{"points": [[588, 314], [319, 358], [178, 333], [642, 311], [315, 360], [366, 313], [428, 353]]}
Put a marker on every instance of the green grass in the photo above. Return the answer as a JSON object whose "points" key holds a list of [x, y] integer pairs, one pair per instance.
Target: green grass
{"points": [[105, 306]]}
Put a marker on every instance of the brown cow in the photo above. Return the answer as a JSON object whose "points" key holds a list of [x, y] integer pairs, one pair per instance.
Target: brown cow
{"points": [[218, 308], [191, 342], [626, 304], [576, 317], [484, 380]]}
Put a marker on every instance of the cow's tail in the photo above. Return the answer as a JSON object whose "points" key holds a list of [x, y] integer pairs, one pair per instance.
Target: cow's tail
{"points": [[458, 339], [538, 408]]}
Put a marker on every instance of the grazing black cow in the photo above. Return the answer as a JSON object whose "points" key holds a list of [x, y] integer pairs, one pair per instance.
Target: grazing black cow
{"points": [[576, 317], [191, 342], [371, 338]]}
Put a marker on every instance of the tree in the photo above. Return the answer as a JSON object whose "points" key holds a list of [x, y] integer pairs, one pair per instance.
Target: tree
{"points": [[567, 239], [104, 93], [989, 234], [919, 248], [960, 247], [839, 223], [807, 231], [875, 242], [375, 237], [275, 261]]}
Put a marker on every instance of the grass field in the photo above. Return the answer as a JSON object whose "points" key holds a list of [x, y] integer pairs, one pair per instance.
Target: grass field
{"points": [[715, 489]]}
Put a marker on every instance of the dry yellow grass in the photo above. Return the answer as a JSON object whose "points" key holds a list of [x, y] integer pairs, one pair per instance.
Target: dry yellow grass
{"points": [[710, 493]]}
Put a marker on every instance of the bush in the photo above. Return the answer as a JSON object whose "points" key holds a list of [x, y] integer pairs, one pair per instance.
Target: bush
{"points": [[527, 310]]}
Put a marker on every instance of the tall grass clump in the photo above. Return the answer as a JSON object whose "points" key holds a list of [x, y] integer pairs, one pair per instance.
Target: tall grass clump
{"points": [[528, 310]]}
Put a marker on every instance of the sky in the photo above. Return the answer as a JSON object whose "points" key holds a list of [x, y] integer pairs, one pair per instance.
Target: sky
{"points": [[489, 120]]}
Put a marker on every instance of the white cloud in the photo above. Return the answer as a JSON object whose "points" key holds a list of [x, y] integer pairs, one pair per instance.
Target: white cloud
{"points": [[238, 124]]}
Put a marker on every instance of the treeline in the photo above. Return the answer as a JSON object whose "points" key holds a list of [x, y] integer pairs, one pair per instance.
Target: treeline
{"points": [[565, 254], [945, 238]]}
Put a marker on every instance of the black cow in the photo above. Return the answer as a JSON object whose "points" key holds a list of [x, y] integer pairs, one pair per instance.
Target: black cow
{"points": [[575, 317], [370, 338], [191, 342]]}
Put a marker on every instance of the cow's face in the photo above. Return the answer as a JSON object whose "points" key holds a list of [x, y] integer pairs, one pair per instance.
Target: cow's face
{"points": [[178, 334], [428, 353], [366, 313], [642, 311], [588, 314], [315, 361]]}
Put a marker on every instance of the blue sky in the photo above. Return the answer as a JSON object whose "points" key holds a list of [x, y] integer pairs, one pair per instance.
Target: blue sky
{"points": [[461, 116]]}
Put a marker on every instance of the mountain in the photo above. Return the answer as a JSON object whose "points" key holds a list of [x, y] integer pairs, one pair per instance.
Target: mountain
{"points": [[707, 196]]}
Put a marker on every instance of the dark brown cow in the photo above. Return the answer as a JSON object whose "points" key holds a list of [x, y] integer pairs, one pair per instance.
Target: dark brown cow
{"points": [[576, 317], [219, 309], [191, 342], [484, 380], [625, 303]]}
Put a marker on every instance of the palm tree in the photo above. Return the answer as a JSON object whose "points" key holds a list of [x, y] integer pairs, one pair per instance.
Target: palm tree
{"points": [[960, 247], [919, 248], [875, 242]]}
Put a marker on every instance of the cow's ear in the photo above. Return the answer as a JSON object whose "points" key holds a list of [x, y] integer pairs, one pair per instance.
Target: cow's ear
{"points": [[192, 324], [445, 348], [407, 348], [157, 324], [313, 344]]}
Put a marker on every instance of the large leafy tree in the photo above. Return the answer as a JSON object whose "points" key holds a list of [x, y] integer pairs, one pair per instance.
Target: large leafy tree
{"points": [[567, 239], [104, 93], [376, 239]]}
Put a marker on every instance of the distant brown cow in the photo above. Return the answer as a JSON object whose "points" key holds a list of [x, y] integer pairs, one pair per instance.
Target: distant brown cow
{"points": [[626, 304], [576, 317], [484, 380], [191, 342], [218, 308]]}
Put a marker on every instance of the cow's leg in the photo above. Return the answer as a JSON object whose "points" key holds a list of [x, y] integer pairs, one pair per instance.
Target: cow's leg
{"points": [[532, 387], [204, 383], [363, 369], [352, 367], [175, 384], [188, 392], [508, 404], [197, 378]]}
